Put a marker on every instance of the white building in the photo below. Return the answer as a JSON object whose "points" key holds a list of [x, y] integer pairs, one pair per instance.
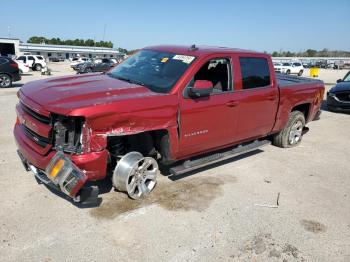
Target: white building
{"points": [[9, 46], [14, 47]]}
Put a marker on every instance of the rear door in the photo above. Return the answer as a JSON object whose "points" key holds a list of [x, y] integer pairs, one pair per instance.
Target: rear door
{"points": [[31, 61], [257, 98]]}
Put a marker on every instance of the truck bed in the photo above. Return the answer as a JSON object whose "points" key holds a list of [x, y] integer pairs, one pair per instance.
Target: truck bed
{"points": [[288, 80]]}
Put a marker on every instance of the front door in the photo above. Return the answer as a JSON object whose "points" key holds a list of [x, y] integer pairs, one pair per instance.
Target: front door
{"points": [[209, 122]]}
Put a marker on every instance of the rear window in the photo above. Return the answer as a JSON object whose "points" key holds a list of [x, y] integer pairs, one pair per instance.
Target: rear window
{"points": [[40, 57], [255, 72]]}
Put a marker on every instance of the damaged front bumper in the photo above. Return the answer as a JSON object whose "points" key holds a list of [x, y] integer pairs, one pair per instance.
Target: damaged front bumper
{"points": [[62, 175]]}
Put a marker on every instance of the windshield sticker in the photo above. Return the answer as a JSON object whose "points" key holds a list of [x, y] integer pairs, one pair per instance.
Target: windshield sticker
{"points": [[184, 58], [164, 59]]}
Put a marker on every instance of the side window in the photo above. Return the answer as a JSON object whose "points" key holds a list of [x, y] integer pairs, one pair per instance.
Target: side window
{"points": [[22, 58], [255, 72], [217, 71], [31, 58]]}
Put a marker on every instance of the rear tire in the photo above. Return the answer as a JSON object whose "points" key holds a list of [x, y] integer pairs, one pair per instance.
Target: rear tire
{"points": [[5, 81], [300, 73], [291, 135], [38, 67]]}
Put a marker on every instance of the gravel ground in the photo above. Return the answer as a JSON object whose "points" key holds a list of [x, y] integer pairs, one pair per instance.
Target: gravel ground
{"points": [[210, 215]]}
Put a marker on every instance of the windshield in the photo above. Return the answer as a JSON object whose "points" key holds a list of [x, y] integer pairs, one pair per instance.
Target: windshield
{"points": [[347, 77], [286, 64], [156, 70]]}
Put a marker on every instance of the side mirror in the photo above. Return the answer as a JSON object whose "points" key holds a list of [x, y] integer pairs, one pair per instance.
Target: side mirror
{"points": [[201, 88], [339, 80]]}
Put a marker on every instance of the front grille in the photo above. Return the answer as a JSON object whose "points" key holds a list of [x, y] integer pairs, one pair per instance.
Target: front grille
{"points": [[41, 141], [32, 113], [343, 96]]}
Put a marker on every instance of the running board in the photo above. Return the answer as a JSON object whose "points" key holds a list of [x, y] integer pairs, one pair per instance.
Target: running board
{"points": [[190, 165]]}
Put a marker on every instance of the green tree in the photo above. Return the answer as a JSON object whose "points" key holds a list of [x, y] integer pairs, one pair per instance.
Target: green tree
{"points": [[311, 52]]}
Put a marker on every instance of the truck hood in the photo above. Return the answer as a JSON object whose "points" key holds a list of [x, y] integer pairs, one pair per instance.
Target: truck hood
{"points": [[64, 94], [342, 86]]}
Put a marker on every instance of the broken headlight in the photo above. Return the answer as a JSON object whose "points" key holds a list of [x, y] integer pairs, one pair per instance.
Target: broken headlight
{"points": [[68, 134]]}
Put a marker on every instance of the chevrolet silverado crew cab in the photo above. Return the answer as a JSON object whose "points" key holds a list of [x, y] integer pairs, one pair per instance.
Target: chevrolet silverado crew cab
{"points": [[178, 105]]}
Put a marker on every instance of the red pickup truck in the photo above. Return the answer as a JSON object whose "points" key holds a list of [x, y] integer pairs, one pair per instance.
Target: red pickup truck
{"points": [[178, 105]]}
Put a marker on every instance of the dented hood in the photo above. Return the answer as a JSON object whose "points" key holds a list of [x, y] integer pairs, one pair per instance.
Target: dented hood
{"points": [[64, 94]]}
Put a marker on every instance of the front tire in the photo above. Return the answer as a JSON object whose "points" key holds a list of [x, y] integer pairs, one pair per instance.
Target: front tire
{"points": [[291, 135], [288, 72], [5, 81]]}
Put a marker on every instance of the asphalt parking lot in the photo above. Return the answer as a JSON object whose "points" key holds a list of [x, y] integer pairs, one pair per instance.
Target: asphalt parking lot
{"points": [[217, 213]]}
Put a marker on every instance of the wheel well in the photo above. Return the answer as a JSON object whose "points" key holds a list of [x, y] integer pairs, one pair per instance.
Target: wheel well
{"points": [[304, 108], [10, 76], [148, 143]]}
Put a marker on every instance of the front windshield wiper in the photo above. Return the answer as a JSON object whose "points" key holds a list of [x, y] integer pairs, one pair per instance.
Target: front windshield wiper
{"points": [[127, 79]]}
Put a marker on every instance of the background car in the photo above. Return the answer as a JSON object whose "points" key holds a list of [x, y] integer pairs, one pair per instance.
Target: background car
{"points": [[78, 60], [54, 59], [93, 66], [9, 72], [338, 97], [36, 62], [292, 68], [277, 67]]}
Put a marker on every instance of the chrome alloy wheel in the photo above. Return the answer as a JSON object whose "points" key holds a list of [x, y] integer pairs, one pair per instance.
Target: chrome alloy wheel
{"points": [[136, 175], [296, 132], [5, 81]]}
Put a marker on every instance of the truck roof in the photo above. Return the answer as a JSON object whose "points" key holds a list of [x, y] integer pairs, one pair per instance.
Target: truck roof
{"points": [[198, 50]]}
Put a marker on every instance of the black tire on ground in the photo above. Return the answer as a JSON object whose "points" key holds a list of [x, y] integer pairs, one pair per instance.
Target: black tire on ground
{"points": [[295, 125], [38, 67], [5, 81], [300, 73], [288, 72]]}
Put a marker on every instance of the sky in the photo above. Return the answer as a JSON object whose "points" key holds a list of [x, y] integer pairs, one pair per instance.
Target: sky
{"points": [[257, 25]]}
